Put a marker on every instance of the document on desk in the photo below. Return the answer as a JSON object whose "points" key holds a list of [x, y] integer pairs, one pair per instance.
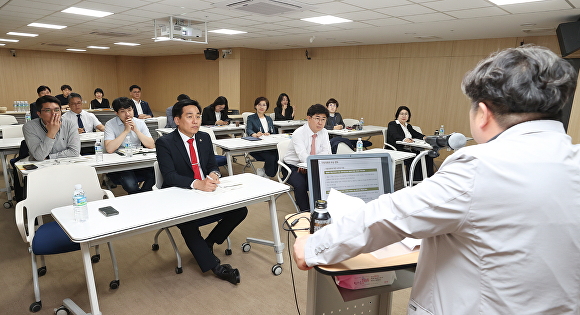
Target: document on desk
{"points": [[226, 184]]}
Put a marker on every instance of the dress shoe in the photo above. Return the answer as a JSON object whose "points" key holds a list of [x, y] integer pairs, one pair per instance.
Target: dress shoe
{"points": [[226, 272]]}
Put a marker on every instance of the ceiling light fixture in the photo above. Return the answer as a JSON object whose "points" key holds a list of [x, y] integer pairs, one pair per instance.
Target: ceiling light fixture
{"points": [[227, 32], [98, 47], [21, 34], [81, 11], [2, 44], [325, 20], [9, 40], [506, 2], [127, 44], [52, 26], [74, 49]]}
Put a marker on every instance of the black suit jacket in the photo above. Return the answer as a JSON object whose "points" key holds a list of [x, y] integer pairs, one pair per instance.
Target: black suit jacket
{"points": [[208, 116], [175, 163], [144, 106], [395, 133]]}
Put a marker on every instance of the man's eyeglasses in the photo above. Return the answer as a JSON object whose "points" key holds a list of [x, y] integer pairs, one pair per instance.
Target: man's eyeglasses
{"points": [[318, 119], [48, 110]]}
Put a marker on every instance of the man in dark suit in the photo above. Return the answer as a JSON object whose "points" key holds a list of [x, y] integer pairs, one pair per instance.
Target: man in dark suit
{"points": [[140, 108], [186, 159]]}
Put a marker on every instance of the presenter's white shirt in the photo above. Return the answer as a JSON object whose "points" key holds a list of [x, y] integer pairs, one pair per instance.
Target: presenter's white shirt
{"points": [[500, 224]]}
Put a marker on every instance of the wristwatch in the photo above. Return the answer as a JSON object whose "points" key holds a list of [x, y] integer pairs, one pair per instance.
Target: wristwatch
{"points": [[219, 175]]}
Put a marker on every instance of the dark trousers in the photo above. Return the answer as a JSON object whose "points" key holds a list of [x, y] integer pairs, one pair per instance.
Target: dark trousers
{"points": [[198, 245], [300, 183], [270, 159], [130, 179]]}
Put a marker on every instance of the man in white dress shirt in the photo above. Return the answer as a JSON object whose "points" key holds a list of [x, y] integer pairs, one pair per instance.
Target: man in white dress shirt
{"points": [[500, 221], [86, 122], [309, 139]]}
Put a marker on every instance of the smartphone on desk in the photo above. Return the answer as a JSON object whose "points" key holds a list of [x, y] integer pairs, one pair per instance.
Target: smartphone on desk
{"points": [[108, 211], [29, 167]]}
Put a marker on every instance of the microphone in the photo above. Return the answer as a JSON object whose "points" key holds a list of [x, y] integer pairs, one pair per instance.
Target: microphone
{"points": [[454, 141]]}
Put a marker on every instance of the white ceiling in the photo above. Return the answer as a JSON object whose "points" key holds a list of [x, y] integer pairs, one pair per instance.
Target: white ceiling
{"points": [[375, 22]]}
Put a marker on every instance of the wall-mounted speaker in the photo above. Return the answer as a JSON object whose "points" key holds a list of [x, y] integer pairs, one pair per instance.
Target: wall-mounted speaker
{"points": [[211, 54], [568, 37]]}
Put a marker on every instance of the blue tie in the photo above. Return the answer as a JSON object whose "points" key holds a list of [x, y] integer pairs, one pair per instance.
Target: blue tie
{"points": [[80, 121]]}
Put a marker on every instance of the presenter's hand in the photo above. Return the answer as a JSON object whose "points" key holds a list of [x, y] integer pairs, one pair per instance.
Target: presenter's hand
{"points": [[299, 252], [208, 184]]}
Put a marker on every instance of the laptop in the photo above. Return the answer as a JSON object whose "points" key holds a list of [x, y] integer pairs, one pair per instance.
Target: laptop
{"points": [[366, 176]]}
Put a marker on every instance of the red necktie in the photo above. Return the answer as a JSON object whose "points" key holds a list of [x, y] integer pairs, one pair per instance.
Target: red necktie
{"points": [[194, 164], [313, 145]]}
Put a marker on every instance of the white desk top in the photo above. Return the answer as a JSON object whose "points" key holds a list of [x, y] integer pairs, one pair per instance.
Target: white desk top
{"points": [[216, 129], [351, 133], [164, 207], [417, 143], [289, 123], [14, 143], [241, 144]]}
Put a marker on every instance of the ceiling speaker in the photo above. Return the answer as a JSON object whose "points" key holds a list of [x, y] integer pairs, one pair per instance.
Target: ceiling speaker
{"points": [[211, 54]]}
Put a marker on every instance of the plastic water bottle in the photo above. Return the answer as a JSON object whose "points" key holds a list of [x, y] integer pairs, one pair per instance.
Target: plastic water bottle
{"points": [[27, 117], [98, 151], [442, 130], [128, 147], [361, 123], [26, 107], [359, 146], [81, 210]]}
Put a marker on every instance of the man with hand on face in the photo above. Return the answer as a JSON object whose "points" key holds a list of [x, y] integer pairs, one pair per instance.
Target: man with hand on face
{"points": [[116, 131], [186, 159], [85, 121], [309, 139], [48, 136]]}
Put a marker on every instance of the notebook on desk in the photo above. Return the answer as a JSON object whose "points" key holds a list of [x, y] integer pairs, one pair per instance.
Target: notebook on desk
{"points": [[366, 176]]}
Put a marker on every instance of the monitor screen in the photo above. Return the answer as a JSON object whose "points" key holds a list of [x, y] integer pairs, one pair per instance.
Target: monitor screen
{"points": [[366, 176]]}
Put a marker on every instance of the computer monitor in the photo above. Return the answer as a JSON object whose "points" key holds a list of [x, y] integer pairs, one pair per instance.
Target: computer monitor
{"points": [[366, 176]]}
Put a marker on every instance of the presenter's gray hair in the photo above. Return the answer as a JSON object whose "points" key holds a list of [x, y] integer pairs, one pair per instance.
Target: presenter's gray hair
{"points": [[527, 79]]}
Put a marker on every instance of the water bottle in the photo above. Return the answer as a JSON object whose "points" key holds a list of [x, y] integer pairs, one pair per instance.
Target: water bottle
{"points": [[26, 107], [128, 147], [98, 151], [14, 105], [319, 217], [81, 210], [442, 130], [361, 123], [359, 146]]}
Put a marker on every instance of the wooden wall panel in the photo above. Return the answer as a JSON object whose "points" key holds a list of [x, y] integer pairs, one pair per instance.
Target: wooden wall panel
{"points": [[252, 78], [130, 70]]}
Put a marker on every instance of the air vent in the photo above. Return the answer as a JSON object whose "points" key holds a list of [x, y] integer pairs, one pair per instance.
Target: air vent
{"points": [[110, 34], [427, 37], [352, 42], [264, 7], [539, 30]]}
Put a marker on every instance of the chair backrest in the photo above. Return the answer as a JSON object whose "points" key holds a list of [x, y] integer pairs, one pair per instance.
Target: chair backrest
{"points": [[12, 132], [53, 186], [282, 147], [343, 148], [211, 135], [161, 122], [273, 116], [8, 120], [245, 117], [418, 129], [349, 122], [158, 176], [385, 144]]}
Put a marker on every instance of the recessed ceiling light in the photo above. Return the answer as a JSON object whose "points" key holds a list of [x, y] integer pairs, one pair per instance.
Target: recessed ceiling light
{"points": [[506, 2], [74, 49], [327, 19], [88, 12], [98, 47], [161, 38], [228, 32], [9, 40], [56, 27], [21, 34], [127, 44], [2, 44]]}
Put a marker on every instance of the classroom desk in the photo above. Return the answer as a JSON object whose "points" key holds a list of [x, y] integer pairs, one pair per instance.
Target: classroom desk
{"points": [[2, 127], [325, 297], [230, 129], [12, 145], [367, 131], [288, 125], [141, 213], [240, 146]]}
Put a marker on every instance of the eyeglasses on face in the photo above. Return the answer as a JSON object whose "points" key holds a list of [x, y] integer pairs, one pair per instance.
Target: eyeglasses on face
{"points": [[318, 119], [48, 110]]}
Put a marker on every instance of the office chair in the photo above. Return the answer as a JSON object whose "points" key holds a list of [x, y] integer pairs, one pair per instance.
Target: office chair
{"points": [[8, 120], [155, 246], [282, 149], [221, 160], [247, 157], [49, 238], [349, 122], [343, 148], [390, 147], [12, 132]]}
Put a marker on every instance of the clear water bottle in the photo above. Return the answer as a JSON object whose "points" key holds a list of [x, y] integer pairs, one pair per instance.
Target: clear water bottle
{"points": [[15, 105], [361, 123], [128, 147], [81, 210], [98, 151], [442, 130], [359, 146], [26, 106]]}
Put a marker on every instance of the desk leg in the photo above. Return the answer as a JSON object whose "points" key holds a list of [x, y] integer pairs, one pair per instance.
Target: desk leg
{"points": [[90, 278], [230, 163], [423, 168], [6, 176], [278, 245]]}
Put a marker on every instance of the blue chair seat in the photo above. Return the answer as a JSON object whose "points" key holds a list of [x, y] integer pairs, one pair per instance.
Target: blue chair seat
{"points": [[221, 160], [51, 239]]}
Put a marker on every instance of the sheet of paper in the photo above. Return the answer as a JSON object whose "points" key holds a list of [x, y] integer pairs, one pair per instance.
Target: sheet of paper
{"points": [[392, 250], [411, 243], [339, 204]]}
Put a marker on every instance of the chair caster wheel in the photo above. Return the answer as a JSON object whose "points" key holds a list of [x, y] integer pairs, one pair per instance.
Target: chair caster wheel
{"points": [[62, 310], [178, 270], [246, 247], [114, 284], [41, 271], [228, 251], [35, 307], [277, 270], [155, 247], [8, 204], [95, 258]]}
